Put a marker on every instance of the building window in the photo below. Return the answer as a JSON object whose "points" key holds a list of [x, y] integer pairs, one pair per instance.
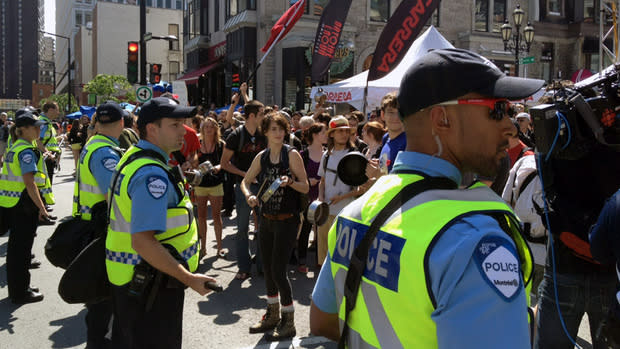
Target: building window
{"points": [[88, 1], [179, 4], [173, 70], [160, 3], [149, 3], [555, 8], [204, 18], [434, 20], [499, 15], [482, 16], [78, 18], [379, 10], [168, 3], [173, 29], [216, 16], [88, 17], [233, 8]]}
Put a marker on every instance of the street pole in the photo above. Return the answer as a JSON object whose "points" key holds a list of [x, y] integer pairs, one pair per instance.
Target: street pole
{"points": [[517, 39], [142, 43], [70, 91]]}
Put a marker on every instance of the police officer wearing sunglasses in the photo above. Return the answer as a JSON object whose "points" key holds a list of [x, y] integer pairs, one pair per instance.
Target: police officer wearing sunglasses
{"points": [[451, 261]]}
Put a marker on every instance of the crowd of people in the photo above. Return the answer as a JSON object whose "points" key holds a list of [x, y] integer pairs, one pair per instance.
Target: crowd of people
{"points": [[433, 236]]}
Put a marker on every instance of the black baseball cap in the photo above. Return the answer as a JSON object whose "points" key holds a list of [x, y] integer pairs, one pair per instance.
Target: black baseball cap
{"points": [[27, 118], [26, 109], [445, 74], [162, 107], [109, 112]]}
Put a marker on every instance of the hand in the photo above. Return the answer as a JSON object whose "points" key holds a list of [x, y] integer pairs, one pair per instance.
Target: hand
{"points": [[235, 98], [313, 181], [286, 181], [197, 283], [186, 166], [217, 169], [334, 200], [243, 88], [252, 200], [373, 170], [43, 215]]}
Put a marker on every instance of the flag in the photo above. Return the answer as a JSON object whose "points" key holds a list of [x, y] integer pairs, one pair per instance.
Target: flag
{"points": [[327, 36], [398, 35], [285, 24]]}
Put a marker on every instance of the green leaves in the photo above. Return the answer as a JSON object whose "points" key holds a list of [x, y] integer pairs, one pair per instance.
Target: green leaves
{"points": [[111, 87]]}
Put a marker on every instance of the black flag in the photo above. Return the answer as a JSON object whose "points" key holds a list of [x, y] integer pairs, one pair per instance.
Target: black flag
{"points": [[327, 36], [398, 35]]}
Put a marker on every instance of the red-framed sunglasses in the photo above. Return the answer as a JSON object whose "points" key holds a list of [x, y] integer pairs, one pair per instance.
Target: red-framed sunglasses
{"points": [[499, 106]]}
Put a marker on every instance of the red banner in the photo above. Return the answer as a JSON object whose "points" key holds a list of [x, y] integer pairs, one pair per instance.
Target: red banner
{"points": [[398, 35], [285, 23]]}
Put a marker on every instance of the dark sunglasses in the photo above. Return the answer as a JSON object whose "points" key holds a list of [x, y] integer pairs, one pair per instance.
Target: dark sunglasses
{"points": [[499, 106]]}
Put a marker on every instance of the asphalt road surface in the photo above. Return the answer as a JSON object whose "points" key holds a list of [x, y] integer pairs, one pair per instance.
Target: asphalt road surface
{"points": [[215, 321]]}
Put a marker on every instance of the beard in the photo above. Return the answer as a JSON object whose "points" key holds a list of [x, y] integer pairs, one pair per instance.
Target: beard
{"points": [[487, 166]]}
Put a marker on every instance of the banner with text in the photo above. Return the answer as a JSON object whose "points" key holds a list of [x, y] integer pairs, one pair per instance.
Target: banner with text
{"points": [[327, 36], [398, 34]]}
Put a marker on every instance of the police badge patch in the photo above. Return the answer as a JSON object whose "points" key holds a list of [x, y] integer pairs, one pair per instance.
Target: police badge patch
{"points": [[109, 163], [157, 186], [26, 157], [497, 261]]}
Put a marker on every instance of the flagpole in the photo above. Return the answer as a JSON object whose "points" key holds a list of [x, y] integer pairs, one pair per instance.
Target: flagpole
{"points": [[276, 40]]}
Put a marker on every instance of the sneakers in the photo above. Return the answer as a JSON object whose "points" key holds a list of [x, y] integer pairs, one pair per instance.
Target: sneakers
{"points": [[285, 329], [269, 321]]}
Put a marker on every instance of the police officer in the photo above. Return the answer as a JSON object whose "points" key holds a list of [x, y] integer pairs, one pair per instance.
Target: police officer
{"points": [[450, 261], [98, 159], [22, 175], [152, 243], [47, 143]]}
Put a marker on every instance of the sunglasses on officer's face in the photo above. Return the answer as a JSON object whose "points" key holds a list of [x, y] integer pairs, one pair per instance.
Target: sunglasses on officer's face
{"points": [[499, 106]]}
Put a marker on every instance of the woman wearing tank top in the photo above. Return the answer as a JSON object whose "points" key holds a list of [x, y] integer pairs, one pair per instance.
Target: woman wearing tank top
{"points": [[211, 188], [279, 222]]}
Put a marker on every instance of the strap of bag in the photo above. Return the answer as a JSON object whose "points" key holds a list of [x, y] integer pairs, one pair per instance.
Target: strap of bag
{"points": [[360, 254]]}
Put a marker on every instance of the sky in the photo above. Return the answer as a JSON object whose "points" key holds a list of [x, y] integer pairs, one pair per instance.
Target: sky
{"points": [[50, 16]]}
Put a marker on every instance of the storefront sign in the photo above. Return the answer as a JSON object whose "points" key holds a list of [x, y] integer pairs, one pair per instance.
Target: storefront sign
{"points": [[217, 51]]}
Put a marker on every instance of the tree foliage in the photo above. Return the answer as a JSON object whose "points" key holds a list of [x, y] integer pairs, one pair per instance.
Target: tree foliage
{"points": [[111, 87], [62, 101]]}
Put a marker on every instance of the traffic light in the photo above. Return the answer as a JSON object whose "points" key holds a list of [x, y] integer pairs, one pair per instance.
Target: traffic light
{"points": [[155, 75], [235, 80], [132, 61]]}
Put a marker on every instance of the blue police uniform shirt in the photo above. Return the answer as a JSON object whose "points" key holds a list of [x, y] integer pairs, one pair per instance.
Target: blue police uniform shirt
{"points": [[391, 147], [151, 194], [475, 307], [102, 164], [27, 161]]}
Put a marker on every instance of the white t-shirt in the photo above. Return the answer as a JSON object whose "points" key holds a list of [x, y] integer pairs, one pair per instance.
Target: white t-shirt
{"points": [[333, 185]]}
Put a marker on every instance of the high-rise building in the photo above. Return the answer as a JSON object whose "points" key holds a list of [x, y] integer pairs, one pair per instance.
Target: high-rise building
{"points": [[20, 22], [46, 62]]}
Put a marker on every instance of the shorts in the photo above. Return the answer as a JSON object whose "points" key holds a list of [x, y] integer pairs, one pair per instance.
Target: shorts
{"points": [[76, 146], [217, 190]]}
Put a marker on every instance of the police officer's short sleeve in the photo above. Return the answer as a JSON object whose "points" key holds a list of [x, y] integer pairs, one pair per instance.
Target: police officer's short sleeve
{"points": [[148, 190], [477, 285], [43, 131], [27, 161], [102, 164], [324, 293]]}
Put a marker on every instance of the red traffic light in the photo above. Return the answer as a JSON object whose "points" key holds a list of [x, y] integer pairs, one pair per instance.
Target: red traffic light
{"points": [[132, 47]]}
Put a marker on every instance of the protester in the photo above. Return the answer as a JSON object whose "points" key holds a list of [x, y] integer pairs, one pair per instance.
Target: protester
{"points": [[4, 135], [24, 206], [279, 221], [359, 144], [517, 149], [47, 143], [211, 189], [526, 133], [151, 234], [128, 137], [76, 139], [372, 134], [427, 272], [242, 145], [331, 188]]}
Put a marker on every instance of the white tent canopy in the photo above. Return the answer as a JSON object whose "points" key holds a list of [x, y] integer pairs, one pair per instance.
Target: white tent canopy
{"points": [[351, 90]]}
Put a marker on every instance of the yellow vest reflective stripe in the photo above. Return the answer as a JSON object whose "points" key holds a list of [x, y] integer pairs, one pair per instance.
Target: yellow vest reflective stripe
{"points": [[89, 191], [181, 231], [50, 136], [11, 181], [386, 306]]}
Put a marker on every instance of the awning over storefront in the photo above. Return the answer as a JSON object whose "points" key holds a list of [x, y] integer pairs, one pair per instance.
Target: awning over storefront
{"points": [[193, 76]]}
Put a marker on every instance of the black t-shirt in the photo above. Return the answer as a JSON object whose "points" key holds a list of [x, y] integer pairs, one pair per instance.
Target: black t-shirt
{"points": [[244, 153], [214, 157]]}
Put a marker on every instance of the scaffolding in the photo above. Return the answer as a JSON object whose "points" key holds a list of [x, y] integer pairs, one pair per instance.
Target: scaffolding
{"points": [[608, 8]]}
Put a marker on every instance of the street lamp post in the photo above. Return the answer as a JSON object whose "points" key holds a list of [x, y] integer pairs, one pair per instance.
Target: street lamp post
{"points": [[69, 87], [514, 42]]}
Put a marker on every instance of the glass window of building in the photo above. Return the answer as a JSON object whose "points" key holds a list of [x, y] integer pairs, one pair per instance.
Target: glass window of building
{"points": [[173, 70], [78, 18], [160, 3], [555, 7], [88, 17], [481, 16], [318, 6], [379, 10], [499, 14], [168, 3], [179, 4], [216, 16], [173, 29], [233, 8]]}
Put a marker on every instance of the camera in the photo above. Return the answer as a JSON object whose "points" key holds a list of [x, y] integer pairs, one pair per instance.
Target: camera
{"points": [[196, 176]]}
